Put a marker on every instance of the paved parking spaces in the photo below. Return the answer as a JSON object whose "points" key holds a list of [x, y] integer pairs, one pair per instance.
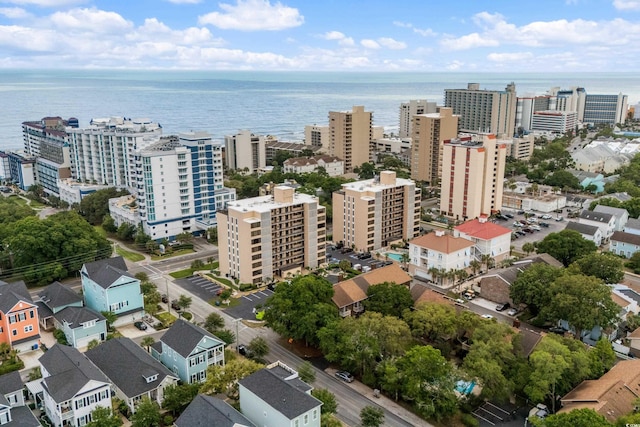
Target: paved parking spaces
{"points": [[505, 415], [248, 303], [203, 288]]}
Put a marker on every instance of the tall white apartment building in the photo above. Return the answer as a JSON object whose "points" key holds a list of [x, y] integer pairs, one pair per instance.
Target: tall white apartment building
{"points": [[103, 153], [410, 109], [554, 121], [317, 136], [245, 151], [572, 99], [270, 236], [351, 134], [526, 106], [372, 213]]}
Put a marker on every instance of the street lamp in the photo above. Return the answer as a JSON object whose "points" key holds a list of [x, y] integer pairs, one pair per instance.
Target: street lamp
{"points": [[238, 320]]}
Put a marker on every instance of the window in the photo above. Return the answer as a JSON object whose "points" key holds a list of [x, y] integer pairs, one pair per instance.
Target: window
{"points": [[12, 318], [22, 316], [28, 328], [306, 419], [14, 332]]}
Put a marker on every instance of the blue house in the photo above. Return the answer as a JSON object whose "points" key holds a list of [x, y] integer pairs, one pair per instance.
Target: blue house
{"points": [[108, 286], [587, 178], [53, 299], [188, 350], [624, 244], [13, 411], [81, 325]]}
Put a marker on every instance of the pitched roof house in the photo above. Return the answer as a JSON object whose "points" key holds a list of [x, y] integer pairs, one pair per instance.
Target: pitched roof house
{"points": [[439, 250], [133, 372], [108, 286], [13, 412], [81, 325], [488, 238], [621, 215], [72, 386], [612, 395], [624, 244], [276, 397], [188, 350], [19, 326], [588, 232], [348, 295], [206, 411], [54, 298], [606, 222]]}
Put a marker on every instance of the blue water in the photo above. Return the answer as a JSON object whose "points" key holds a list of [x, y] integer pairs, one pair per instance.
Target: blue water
{"points": [[395, 257], [277, 103]]}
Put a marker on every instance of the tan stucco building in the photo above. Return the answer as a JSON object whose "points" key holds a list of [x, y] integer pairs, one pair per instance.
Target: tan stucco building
{"points": [[472, 177], [371, 214], [350, 134], [429, 132], [270, 236]]}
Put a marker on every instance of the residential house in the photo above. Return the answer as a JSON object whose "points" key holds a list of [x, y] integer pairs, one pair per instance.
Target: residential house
{"points": [[54, 298], [588, 178], [606, 222], [624, 244], [588, 232], [632, 226], [13, 411], [621, 216], [108, 286], [496, 286], [81, 325], [132, 371], [423, 294], [612, 395], [488, 238], [438, 250], [332, 165], [206, 411], [72, 386], [349, 295], [188, 350], [276, 397], [19, 326]]}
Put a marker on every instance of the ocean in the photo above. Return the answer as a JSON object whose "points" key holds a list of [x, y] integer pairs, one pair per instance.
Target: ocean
{"points": [[269, 103]]}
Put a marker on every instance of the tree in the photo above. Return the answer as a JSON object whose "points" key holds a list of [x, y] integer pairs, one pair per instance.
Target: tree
{"points": [[329, 420], [259, 347], [583, 301], [487, 260], [177, 397], [212, 234], [224, 379], [562, 178], [301, 307], [344, 265], [35, 374], [533, 286], [577, 418], [110, 317], [432, 322], [566, 246], [213, 323], [95, 206], [104, 417], [388, 299], [184, 302], [365, 171], [147, 414], [528, 248], [475, 266], [108, 224], [306, 372], [603, 265], [371, 416], [226, 335], [93, 344], [328, 399], [147, 342], [602, 357], [634, 262]]}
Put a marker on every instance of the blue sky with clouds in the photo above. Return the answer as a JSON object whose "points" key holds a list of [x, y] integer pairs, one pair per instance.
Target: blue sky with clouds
{"points": [[320, 35]]}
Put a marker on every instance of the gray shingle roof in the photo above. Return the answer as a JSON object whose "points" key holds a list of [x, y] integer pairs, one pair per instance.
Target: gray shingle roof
{"points": [[12, 293], [630, 238], [596, 216], [69, 371], [106, 271], [57, 295], [206, 411], [10, 382], [633, 223], [589, 230], [183, 337], [618, 212], [76, 316], [127, 365], [281, 395], [21, 416]]}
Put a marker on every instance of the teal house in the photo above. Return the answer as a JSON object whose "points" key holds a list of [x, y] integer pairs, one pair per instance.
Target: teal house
{"points": [[188, 350], [108, 286]]}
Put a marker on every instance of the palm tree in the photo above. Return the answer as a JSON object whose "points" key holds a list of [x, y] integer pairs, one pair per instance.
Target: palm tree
{"points": [[528, 248], [435, 273], [487, 260], [147, 342], [404, 258], [475, 266]]}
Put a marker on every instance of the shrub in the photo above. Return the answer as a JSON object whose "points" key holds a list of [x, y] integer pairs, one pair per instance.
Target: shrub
{"points": [[469, 420], [168, 420], [246, 287]]}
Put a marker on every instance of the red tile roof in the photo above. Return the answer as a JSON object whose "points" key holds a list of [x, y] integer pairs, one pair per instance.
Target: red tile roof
{"points": [[482, 230], [446, 243]]}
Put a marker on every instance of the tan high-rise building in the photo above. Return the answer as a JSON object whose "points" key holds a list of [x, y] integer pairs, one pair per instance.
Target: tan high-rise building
{"points": [[484, 111], [269, 236], [472, 177], [350, 134], [428, 134], [245, 151], [371, 214], [317, 136], [410, 109]]}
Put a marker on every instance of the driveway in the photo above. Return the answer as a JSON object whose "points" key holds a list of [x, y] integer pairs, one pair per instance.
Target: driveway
{"points": [[248, 303]]}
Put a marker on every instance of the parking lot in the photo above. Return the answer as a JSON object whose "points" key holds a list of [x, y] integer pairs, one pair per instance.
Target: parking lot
{"points": [[248, 303], [536, 236], [334, 256], [505, 415], [203, 288]]}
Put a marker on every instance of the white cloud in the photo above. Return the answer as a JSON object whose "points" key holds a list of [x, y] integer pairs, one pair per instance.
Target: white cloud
{"points": [[14, 12], [184, 1], [253, 15], [46, 3], [428, 32], [510, 56], [470, 41], [155, 31], [90, 20], [626, 4], [455, 65], [339, 37], [370, 44], [392, 44]]}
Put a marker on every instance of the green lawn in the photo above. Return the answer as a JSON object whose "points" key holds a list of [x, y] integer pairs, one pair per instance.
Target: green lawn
{"points": [[166, 318], [172, 254], [101, 231], [181, 274], [131, 256]]}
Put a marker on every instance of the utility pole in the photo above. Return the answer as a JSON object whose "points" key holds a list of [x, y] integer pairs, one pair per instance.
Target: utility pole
{"points": [[238, 320], [166, 283]]}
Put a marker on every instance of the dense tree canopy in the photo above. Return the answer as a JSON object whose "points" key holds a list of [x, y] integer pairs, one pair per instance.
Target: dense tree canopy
{"points": [[388, 299], [95, 206], [300, 308], [603, 265], [566, 246], [432, 321], [533, 286], [576, 418]]}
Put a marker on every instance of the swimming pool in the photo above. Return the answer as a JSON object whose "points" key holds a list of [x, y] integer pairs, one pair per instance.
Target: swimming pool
{"points": [[394, 256]]}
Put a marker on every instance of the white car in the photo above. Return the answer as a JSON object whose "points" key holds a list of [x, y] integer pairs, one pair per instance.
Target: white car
{"points": [[487, 316], [546, 216], [512, 312]]}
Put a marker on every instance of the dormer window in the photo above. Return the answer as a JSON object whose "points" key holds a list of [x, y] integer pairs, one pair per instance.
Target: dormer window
{"points": [[151, 378]]}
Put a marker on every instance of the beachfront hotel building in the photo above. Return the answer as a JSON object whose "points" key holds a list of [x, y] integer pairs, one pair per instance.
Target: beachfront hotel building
{"points": [[429, 133], [370, 214], [605, 109], [484, 111], [318, 137], [410, 109], [265, 237], [103, 153], [554, 121], [472, 177], [350, 135], [245, 151]]}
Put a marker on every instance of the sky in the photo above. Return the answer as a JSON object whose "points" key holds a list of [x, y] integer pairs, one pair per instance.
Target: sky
{"points": [[322, 35]]}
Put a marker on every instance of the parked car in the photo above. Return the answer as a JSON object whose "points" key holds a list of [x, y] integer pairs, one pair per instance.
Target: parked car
{"points": [[503, 306], [557, 330], [487, 316], [140, 325], [544, 224], [546, 216], [512, 312], [345, 376], [560, 218], [174, 305], [521, 233], [346, 250], [242, 349], [165, 298], [365, 255], [509, 216], [520, 212]]}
